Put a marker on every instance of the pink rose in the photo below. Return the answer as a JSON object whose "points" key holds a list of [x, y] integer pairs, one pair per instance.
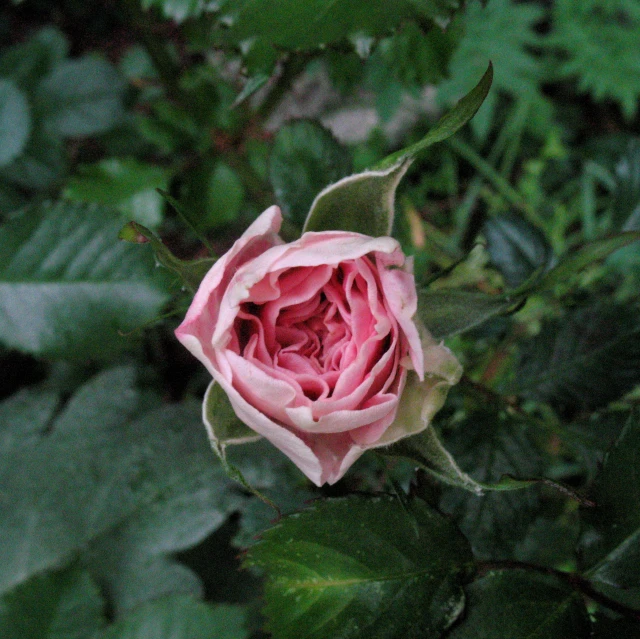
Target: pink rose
{"points": [[313, 342]]}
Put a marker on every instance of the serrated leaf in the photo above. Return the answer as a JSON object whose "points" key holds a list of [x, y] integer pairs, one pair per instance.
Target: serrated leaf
{"points": [[490, 446], [584, 360], [357, 567], [449, 312], [123, 183], [180, 617], [516, 247], [522, 605], [15, 121], [64, 270], [63, 605], [598, 40], [578, 260], [290, 24], [304, 159], [364, 202], [81, 97], [108, 470], [614, 557]]}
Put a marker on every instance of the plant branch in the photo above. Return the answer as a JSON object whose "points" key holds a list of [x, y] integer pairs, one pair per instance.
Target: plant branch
{"points": [[576, 581]]}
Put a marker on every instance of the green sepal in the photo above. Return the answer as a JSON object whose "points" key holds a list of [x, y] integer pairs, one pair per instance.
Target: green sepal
{"points": [[449, 312], [189, 272], [225, 429], [449, 124], [364, 202], [426, 450]]}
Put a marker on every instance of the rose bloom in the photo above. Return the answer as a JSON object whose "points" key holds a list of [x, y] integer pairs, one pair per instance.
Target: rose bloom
{"points": [[315, 341]]}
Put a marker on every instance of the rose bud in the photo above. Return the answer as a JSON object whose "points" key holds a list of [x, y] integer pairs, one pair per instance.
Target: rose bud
{"points": [[314, 342]]}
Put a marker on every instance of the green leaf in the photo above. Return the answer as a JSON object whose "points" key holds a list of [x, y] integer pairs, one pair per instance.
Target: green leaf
{"points": [[517, 248], [222, 424], [597, 40], [305, 158], [180, 617], [62, 605], [614, 555], [25, 415], [81, 97], [357, 567], [290, 24], [123, 183], [449, 312], [364, 202], [15, 122], [63, 268], [212, 195], [109, 466], [579, 259], [584, 360], [251, 86], [492, 447], [426, 450], [504, 32], [522, 605], [40, 165], [449, 124], [626, 202], [28, 62]]}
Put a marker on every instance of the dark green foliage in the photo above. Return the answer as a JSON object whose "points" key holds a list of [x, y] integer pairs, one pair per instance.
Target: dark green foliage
{"points": [[111, 476], [522, 605], [80, 290], [305, 159], [361, 567], [586, 359], [613, 549], [488, 446], [174, 123], [598, 39], [58, 605], [517, 248]]}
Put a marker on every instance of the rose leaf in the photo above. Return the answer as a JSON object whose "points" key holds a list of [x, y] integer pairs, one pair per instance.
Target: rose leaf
{"points": [[361, 567], [67, 289], [614, 554], [180, 617], [52, 606], [522, 605]]}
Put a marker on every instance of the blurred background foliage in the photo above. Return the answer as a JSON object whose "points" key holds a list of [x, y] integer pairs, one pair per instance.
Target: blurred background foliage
{"points": [[192, 116]]}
